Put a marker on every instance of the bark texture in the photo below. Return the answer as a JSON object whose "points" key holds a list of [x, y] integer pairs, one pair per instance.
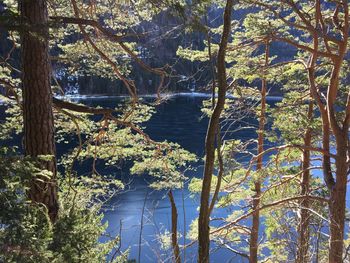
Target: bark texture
{"points": [[336, 181], [337, 201], [174, 240], [37, 101], [254, 235], [203, 220], [303, 227]]}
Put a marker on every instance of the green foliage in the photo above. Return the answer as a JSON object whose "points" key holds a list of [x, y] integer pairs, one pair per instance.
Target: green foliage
{"points": [[164, 162], [12, 125], [193, 55], [26, 233], [281, 173]]}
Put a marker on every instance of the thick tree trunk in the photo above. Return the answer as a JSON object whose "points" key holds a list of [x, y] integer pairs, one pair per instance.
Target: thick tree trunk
{"points": [[174, 241], [254, 235], [326, 160], [37, 101], [203, 220], [303, 227], [338, 200]]}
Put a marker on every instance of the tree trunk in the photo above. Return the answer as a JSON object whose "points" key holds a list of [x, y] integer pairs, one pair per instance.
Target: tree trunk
{"points": [[303, 227], [174, 240], [211, 62], [254, 235], [220, 171], [326, 160], [37, 101], [203, 220], [338, 200]]}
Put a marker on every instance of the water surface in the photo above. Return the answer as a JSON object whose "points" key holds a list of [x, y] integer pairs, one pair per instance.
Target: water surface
{"points": [[178, 120]]}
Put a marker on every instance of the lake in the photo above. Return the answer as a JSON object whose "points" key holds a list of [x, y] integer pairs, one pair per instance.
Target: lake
{"points": [[178, 120]]}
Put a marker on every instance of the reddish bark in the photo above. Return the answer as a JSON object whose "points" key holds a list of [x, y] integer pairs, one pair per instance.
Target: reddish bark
{"points": [[303, 227], [37, 101], [174, 240], [203, 220], [254, 235], [337, 204]]}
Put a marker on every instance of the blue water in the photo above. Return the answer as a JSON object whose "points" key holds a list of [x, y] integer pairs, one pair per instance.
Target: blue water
{"points": [[178, 120]]}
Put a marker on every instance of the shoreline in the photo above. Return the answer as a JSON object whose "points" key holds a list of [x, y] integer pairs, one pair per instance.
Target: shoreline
{"points": [[165, 95]]}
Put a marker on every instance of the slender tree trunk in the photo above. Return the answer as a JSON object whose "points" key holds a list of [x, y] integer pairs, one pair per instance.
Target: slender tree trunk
{"points": [[220, 172], [326, 160], [37, 101], [338, 200], [203, 220], [141, 226], [254, 235], [174, 240], [211, 63], [303, 227], [337, 187]]}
